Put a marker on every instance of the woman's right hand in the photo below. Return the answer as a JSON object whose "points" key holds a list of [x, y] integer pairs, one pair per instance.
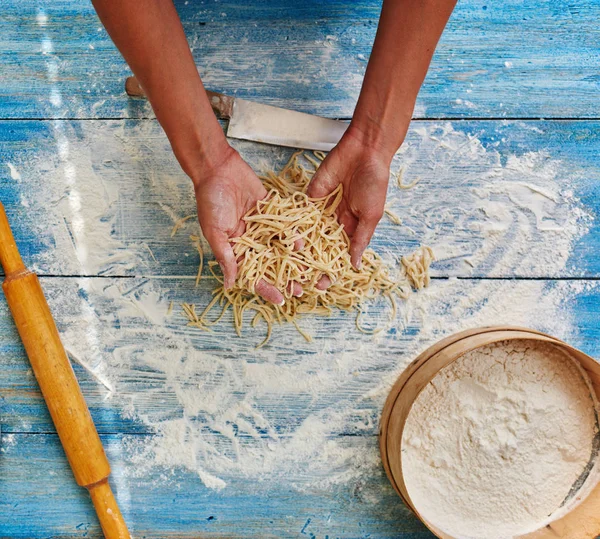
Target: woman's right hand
{"points": [[225, 191]]}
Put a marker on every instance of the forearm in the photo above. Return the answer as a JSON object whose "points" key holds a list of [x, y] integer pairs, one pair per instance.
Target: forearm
{"points": [[150, 36], [408, 33]]}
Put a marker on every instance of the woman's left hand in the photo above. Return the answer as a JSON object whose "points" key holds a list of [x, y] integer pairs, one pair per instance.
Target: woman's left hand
{"points": [[364, 173]]}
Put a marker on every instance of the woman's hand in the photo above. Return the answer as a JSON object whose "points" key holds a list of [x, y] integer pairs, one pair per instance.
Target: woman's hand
{"points": [[364, 173], [151, 38], [225, 192], [407, 35]]}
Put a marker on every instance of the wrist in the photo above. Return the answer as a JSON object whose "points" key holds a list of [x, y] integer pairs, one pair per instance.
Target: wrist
{"points": [[378, 135], [202, 152]]}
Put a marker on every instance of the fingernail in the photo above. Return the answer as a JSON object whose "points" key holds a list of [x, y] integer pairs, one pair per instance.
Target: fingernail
{"points": [[282, 303]]}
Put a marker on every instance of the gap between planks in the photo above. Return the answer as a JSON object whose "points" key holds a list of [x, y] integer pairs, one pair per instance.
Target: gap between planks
{"points": [[344, 119], [433, 278]]}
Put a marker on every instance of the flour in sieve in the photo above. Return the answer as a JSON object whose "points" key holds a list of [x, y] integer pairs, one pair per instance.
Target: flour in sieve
{"points": [[493, 445]]}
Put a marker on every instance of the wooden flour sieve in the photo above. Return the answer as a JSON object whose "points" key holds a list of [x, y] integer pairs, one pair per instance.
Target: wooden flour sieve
{"points": [[581, 519]]}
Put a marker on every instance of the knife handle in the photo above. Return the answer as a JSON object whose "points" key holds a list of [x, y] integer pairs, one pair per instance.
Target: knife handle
{"points": [[221, 104]]}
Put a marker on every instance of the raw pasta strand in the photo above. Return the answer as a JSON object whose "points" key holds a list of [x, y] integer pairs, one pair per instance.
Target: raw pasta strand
{"points": [[266, 251], [417, 265]]}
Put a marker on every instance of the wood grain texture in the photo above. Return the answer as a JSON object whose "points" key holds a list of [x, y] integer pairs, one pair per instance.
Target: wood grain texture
{"points": [[128, 316], [98, 198], [174, 503], [178, 506], [514, 59], [120, 184], [58, 384]]}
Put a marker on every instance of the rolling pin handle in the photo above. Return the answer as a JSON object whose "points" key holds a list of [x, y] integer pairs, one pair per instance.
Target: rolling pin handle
{"points": [[9, 254], [109, 515]]}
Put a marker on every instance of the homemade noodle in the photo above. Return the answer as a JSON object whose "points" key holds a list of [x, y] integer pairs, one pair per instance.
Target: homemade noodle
{"points": [[396, 219], [268, 250], [417, 265], [400, 176]]}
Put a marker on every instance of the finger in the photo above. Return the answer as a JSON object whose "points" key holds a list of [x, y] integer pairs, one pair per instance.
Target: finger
{"points": [[360, 240], [323, 283], [299, 244], [295, 289], [347, 218], [223, 251], [321, 184], [240, 229], [269, 293]]}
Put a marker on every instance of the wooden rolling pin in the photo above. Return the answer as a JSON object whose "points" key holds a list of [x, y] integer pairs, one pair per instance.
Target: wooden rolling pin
{"points": [[57, 381]]}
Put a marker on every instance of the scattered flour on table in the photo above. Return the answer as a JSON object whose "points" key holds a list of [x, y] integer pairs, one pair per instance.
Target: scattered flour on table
{"points": [[6, 442], [14, 173], [493, 211], [495, 442], [224, 410]]}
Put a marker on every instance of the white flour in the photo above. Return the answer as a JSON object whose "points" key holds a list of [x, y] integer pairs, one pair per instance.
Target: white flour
{"points": [[495, 213], [494, 444], [225, 411], [14, 173]]}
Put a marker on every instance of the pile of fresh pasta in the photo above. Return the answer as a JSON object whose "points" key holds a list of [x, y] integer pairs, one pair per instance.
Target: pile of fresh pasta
{"points": [[268, 250]]}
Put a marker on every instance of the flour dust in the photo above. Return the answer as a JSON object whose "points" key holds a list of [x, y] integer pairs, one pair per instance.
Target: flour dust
{"points": [[483, 212], [304, 411], [494, 445]]}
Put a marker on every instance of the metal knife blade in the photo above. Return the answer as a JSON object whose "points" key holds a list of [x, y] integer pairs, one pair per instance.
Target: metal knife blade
{"points": [[267, 124], [282, 127]]}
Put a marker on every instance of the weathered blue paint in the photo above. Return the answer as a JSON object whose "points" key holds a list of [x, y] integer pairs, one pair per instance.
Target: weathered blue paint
{"points": [[496, 60], [48, 502], [509, 59], [133, 159], [24, 410]]}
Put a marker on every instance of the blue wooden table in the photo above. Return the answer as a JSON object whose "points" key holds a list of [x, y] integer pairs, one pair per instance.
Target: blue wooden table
{"points": [[208, 436]]}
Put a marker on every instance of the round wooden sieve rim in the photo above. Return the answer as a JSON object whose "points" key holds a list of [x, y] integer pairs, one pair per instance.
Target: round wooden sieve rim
{"points": [[583, 522]]}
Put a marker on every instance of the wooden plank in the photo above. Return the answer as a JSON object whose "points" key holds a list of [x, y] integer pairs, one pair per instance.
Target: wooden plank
{"points": [[39, 499], [101, 197], [59, 62], [161, 371]]}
